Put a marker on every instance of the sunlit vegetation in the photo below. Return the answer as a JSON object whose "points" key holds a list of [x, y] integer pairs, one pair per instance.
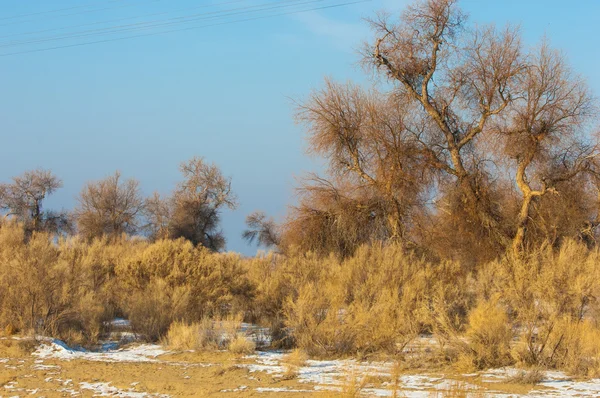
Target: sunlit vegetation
{"points": [[460, 202]]}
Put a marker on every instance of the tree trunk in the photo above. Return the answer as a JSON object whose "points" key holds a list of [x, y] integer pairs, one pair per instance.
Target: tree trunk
{"points": [[522, 221]]}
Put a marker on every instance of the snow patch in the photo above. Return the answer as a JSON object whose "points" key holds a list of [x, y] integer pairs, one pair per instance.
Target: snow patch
{"points": [[106, 390], [332, 375], [140, 353]]}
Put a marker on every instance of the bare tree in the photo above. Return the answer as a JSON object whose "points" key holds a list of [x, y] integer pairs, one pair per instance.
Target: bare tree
{"points": [[157, 211], [24, 197], [109, 207], [364, 137], [197, 203], [545, 133], [460, 79]]}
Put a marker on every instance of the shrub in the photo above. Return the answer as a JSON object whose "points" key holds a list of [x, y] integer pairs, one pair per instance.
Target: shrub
{"points": [[378, 300], [530, 377], [488, 336], [152, 310], [173, 280], [241, 345], [183, 336], [42, 292], [292, 363], [208, 334], [548, 294], [296, 358]]}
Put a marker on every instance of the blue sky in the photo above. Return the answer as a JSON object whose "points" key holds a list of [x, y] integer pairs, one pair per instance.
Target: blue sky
{"points": [[146, 104]]}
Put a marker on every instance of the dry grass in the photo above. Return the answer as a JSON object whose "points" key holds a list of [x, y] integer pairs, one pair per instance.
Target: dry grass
{"points": [[182, 336], [241, 345], [458, 389], [353, 386], [296, 357], [219, 333], [292, 362], [373, 303], [489, 334], [527, 377]]}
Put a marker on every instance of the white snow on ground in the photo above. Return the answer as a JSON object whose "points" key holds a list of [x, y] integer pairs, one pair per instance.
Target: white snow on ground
{"points": [[557, 384], [139, 353], [120, 323], [280, 389], [332, 375], [240, 388], [106, 390], [261, 336], [316, 375]]}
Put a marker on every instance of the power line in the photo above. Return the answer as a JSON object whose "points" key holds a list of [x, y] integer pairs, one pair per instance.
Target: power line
{"points": [[87, 11], [120, 19], [163, 22], [57, 10], [184, 29]]}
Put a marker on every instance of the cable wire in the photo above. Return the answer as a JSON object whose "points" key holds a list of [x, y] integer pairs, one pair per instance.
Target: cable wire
{"points": [[183, 29], [163, 22], [119, 19]]}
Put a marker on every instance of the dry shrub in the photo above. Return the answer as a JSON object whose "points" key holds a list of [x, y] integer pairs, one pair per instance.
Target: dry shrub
{"points": [[290, 373], [548, 294], [173, 280], [576, 348], [71, 288], [530, 377], [240, 344], [27, 345], [42, 291], [152, 310], [207, 334], [352, 387], [292, 362], [378, 300], [182, 336], [296, 357], [488, 338]]}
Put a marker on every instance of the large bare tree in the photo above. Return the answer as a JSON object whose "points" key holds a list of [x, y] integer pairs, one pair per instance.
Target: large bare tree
{"points": [[546, 134], [420, 151], [157, 212], [459, 78]]}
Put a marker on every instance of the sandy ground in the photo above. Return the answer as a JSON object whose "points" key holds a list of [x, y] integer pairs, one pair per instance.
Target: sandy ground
{"points": [[53, 370]]}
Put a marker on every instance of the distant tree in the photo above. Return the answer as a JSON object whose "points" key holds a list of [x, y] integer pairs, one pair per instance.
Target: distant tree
{"points": [[197, 203], [262, 229], [157, 211], [109, 207], [24, 198]]}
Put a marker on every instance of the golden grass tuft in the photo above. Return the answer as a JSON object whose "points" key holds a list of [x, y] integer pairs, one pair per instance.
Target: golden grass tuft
{"points": [[240, 344], [527, 377], [182, 336], [208, 334], [292, 362]]}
